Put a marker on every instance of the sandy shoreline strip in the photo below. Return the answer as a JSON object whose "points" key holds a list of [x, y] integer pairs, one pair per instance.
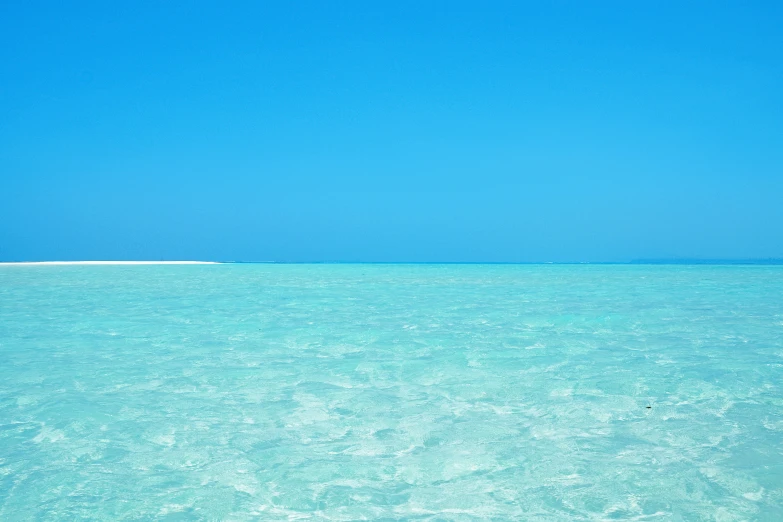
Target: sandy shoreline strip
{"points": [[60, 263]]}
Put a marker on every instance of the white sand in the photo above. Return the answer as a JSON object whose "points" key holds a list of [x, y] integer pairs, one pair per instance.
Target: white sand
{"points": [[42, 263]]}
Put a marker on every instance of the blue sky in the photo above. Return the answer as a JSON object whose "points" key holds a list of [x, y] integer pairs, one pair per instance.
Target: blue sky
{"points": [[396, 131]]}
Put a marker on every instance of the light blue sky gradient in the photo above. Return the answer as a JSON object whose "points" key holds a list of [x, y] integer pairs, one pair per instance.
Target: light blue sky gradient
{"points": [[396, 131]]}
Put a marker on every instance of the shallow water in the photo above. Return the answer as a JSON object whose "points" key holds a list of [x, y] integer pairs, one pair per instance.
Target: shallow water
{"points": [[345, 392]]}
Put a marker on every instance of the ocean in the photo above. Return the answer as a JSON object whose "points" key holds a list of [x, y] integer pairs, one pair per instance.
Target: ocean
{"points": [[391, 392]]}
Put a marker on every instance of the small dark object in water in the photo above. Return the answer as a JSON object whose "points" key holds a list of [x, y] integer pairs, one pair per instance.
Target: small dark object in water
{"points": [[648, 407]]}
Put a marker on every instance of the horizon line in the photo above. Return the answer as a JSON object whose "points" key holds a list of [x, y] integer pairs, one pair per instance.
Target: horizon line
{"points": [[663, 261]]}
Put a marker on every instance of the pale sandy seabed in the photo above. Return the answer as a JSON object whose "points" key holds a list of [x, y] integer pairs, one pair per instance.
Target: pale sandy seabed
{"points": [[336, 392]]}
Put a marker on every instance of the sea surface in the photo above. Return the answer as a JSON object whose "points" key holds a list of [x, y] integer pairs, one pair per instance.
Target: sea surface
{"points": [[391, 392]]}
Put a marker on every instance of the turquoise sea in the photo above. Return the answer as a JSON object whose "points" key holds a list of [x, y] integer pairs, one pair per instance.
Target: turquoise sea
{"points": [[391, 392]]}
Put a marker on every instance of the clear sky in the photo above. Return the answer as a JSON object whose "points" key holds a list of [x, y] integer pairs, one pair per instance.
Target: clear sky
{"points": [[391, 131]]}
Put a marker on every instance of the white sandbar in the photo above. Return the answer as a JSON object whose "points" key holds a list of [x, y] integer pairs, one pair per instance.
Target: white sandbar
{"points": [[42, 263]]}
